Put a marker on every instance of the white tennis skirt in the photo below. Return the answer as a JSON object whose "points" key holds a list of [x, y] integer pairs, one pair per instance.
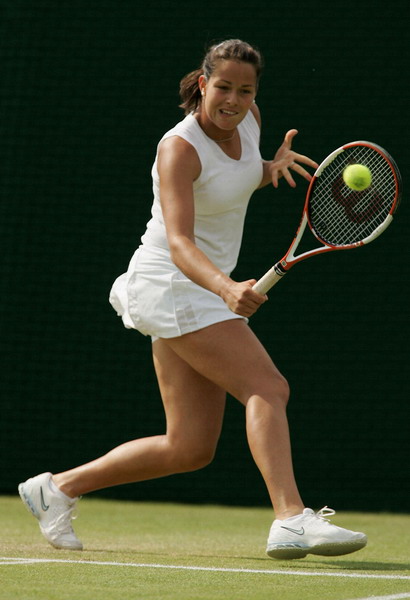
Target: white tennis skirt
{"points": [[156, 299]]}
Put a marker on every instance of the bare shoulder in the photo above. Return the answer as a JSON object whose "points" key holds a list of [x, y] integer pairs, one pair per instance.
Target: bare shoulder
{"points": [[256, 113], [179, 156]]}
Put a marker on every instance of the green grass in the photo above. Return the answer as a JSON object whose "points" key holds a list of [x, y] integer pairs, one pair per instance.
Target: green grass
{"points": [[200, 536]]}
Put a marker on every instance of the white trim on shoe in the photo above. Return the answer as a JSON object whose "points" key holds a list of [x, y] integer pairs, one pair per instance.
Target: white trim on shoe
{"points": [[52, 509], [311, 533]]}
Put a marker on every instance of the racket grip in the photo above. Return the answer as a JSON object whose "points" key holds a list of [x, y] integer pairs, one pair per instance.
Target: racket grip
{"points": [[270, 279]]}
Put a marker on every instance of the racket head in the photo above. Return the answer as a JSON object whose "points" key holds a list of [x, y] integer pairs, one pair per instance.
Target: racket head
{"points": [[340, 217]]}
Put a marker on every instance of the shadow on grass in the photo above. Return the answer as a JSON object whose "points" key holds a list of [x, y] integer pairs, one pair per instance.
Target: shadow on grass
{"points": [[336, 564], [365, 565]]}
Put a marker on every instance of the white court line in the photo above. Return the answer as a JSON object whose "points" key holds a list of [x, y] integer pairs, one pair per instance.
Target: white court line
{"points": [[391, 597], [15, 561], [27, 561]]}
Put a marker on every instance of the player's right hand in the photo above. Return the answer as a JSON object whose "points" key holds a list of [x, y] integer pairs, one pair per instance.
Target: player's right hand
{"points": [[242, 299]]}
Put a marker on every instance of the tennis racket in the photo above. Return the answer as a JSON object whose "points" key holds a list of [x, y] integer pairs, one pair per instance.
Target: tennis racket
{"points": [[339, 217]]}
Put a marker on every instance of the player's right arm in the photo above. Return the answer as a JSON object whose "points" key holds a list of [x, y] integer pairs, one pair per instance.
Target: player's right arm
{"points": [[178, 168]]}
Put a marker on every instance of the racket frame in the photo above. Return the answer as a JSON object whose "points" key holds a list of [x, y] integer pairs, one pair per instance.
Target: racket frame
{"points": [[275, 274]]}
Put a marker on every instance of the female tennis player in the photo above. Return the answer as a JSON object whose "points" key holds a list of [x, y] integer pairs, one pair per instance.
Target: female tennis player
{"points": [[179, 291]]}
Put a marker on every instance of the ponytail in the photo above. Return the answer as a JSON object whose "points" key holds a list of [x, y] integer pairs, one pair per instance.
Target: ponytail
{"points": [[189, 91]]}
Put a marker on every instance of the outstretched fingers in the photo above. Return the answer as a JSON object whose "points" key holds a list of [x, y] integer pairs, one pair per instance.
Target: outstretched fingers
{"points": [[286, 160]]}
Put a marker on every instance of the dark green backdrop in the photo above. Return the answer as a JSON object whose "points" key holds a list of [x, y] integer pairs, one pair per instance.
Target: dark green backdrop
{"points": [[87, 90]]}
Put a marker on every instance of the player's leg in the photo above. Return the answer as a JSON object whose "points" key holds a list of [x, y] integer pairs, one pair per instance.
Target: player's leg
{"points": [[230, 354], [194, 408]]}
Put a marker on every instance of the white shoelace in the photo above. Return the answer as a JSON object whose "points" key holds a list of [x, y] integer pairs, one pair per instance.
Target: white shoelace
{"points": [[325, 512], [63, 522]]}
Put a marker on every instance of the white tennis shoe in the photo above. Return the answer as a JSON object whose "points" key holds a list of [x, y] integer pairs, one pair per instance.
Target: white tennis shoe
{"points": [[311, 533], [54, 511]]}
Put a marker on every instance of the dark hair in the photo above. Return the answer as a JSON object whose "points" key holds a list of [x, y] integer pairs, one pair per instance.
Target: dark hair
{"points": [[228, 50]]}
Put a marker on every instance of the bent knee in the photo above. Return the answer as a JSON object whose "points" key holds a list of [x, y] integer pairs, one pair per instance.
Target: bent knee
{"points": [[193, 458], [283, 389], [279, 392], [275, 391]]}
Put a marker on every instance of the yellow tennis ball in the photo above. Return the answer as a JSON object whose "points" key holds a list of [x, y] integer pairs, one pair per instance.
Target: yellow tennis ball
{"points": [[357, 177]]}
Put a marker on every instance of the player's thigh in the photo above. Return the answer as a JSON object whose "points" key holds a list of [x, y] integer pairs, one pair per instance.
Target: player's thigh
{"points": [[194, 405], [230, 355]]}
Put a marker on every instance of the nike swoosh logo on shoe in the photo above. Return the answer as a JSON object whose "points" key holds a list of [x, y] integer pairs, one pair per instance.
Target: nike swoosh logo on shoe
{"points": [[44, 506], [300, 531]]}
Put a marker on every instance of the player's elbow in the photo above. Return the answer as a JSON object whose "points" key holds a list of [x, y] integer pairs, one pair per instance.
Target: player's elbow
{"points": [[179, 247]]}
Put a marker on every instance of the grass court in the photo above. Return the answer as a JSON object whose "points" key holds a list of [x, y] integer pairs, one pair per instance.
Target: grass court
{"points": [[161, 551]]}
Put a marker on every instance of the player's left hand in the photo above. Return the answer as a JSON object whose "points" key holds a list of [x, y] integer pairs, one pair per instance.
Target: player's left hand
{"points": [[286, 159]]}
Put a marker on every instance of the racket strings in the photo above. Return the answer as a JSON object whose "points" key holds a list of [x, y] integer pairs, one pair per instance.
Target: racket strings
{"points": [[341, 216]]}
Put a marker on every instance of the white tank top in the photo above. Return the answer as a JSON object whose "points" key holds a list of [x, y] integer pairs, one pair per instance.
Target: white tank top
{"points": [[221, 192]]}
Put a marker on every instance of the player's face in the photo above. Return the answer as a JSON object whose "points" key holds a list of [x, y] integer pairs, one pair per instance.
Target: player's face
{"points": [[227, 96]]}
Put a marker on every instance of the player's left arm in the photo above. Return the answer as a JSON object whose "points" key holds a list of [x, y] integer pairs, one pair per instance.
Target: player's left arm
{"points": [[284, 159]]}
